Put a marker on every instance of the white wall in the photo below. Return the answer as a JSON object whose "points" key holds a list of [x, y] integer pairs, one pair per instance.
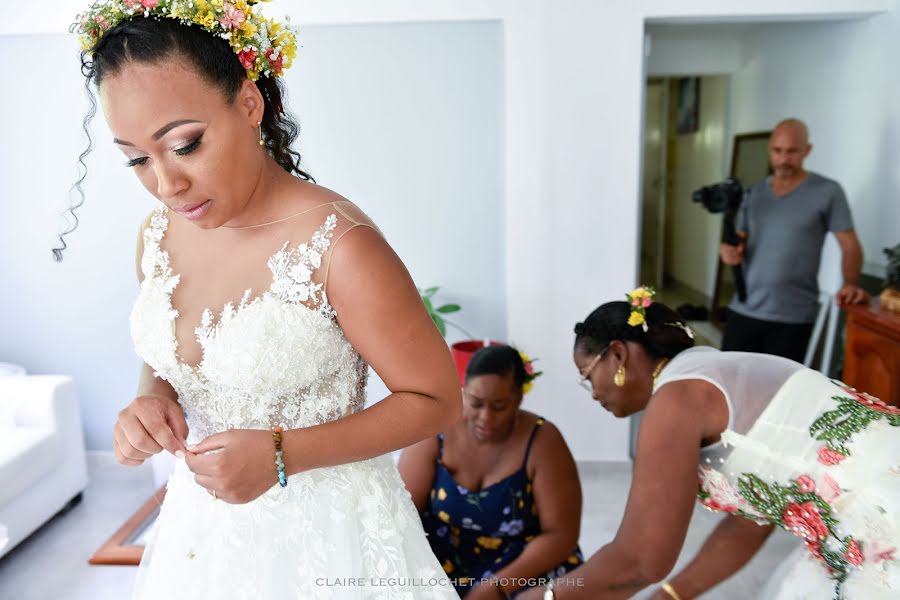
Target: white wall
{"points": [[573, 79], [406, 120], [686, 50]]}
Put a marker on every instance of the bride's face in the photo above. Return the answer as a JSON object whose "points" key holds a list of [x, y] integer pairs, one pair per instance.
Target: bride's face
{"points": [[190, 146]]}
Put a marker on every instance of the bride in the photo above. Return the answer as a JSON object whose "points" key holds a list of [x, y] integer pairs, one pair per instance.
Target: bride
{"points": [[264, 298]]}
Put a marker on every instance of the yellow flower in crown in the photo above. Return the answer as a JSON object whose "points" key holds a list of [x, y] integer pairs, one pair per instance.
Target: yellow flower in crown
{"points": [[263, 47], [530, 373], [640, 300]]}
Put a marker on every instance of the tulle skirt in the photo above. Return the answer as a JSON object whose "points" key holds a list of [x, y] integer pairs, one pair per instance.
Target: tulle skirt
{"points": [[349, 532]]}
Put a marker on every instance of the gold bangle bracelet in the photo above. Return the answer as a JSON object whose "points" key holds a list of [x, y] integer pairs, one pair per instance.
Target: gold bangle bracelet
{"points": [[667, 588]]}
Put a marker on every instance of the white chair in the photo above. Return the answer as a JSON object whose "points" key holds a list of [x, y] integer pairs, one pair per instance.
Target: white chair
{"points": [[829, 316], [42, 458]]}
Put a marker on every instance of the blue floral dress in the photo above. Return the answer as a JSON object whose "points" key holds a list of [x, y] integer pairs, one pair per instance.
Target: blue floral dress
{"points": [[474, 534]]}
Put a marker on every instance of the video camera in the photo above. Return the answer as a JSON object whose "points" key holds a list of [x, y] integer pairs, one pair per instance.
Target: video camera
{"points": [[726, 197]]}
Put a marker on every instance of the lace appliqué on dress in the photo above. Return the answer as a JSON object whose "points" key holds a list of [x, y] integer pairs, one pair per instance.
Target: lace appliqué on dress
{"points": [[278, 359]]}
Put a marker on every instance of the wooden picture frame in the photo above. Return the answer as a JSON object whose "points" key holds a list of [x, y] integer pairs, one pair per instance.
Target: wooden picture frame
{"points": [[120, 549], [687, 108]]}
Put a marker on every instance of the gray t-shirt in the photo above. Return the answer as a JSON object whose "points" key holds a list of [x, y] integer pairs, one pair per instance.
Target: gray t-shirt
{"points": [[784, 247]]}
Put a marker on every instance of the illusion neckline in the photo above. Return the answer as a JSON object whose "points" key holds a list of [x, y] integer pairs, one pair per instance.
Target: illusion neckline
{"points": [[287, 218], [245, 303]]}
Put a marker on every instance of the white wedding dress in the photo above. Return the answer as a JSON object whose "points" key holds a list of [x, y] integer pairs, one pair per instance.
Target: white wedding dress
{"points": [[344, 532]]}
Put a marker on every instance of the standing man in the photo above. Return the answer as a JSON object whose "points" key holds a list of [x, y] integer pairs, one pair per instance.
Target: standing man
{"points": [[783, 221]]}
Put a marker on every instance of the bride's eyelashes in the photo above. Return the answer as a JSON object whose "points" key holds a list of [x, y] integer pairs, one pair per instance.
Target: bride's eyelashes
{"points": [[183, 151], [190, 147]]}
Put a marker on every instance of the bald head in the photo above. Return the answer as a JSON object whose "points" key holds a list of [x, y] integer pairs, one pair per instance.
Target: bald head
{"points": [[788, 148], [793, 127]]}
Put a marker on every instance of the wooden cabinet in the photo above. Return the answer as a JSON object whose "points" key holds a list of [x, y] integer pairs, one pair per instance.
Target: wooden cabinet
{"points": [[872, 354]]}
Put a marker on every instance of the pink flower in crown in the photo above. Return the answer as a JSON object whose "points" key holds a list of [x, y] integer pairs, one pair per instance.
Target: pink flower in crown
{"points": [[233, 17], [804, 521], [248, 57], [805, 484], [150, 3], [647, 302], [275, 60], [854, 554], [102, 22], [829, 457], [870, 401], [132, 3]]}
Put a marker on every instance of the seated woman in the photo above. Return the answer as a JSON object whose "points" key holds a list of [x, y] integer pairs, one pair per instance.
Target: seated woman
{"points": [[773, 443], [498, 493]]}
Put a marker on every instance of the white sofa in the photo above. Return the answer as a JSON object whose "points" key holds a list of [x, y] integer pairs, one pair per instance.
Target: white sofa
{"points": [[42, 457]]}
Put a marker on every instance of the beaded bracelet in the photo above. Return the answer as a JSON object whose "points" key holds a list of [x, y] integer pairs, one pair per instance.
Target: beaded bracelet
{"points": [[279, 464]]}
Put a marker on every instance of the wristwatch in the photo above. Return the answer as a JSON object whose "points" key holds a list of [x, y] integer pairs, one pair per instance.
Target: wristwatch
{"points": [[548, 593]]}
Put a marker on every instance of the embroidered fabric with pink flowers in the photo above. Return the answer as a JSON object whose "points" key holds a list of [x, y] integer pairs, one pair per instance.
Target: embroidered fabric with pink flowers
{"points": [[822, 462], [813, 457]]}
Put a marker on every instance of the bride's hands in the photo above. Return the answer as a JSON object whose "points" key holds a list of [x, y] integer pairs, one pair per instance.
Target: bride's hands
{"points": [[238, 465], [147, 426]]}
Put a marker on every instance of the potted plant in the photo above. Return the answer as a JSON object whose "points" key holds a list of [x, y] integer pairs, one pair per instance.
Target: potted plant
{"points": [[461, 351], [890, 297]]}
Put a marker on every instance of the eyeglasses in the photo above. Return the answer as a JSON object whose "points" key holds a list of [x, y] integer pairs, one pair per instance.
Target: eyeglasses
{"points": [[585, 379]]}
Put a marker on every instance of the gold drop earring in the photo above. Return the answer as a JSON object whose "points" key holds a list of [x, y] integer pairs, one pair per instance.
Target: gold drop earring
{"points": [[619, 378], [259, 125]]}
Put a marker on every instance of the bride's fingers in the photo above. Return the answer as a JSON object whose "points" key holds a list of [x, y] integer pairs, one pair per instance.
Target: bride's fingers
{"points": [[213, 442], [210, 484], [120, 456], [202, 464], [137, 436]]}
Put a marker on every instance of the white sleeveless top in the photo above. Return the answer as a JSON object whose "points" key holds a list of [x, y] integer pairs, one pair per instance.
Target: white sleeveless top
{"points": [[748, 381]]}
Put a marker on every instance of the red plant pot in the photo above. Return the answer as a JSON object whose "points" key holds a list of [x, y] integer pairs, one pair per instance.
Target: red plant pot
{"points": [[462, 353]]}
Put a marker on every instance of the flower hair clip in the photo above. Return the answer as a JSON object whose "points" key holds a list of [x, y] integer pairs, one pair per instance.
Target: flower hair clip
{"points": [[263, 46], [640, 300], [530, 373]]}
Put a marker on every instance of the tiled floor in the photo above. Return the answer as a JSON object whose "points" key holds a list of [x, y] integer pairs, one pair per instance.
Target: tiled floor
{"points": [[52, 564]]}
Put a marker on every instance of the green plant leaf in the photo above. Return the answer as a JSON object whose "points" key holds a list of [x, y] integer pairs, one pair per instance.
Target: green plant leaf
{"points": [[448, 308], [428, 306], [442, 327], [429, 292]]}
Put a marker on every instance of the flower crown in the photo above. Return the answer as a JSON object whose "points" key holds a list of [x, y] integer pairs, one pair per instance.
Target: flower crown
{"points": [[640, 300], [530, 373], [264, 47]]}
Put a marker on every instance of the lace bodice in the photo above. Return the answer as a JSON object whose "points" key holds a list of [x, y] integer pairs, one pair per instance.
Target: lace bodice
{"points": [[279, 358]]}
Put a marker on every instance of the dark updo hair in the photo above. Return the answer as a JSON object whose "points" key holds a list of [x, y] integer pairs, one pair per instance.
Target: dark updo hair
{"points": [[149, 40], [498, 360], [665, 337]]}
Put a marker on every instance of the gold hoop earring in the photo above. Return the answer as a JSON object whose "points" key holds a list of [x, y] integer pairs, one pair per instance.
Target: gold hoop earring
{"points": [[619, 378], [259, 125]]}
